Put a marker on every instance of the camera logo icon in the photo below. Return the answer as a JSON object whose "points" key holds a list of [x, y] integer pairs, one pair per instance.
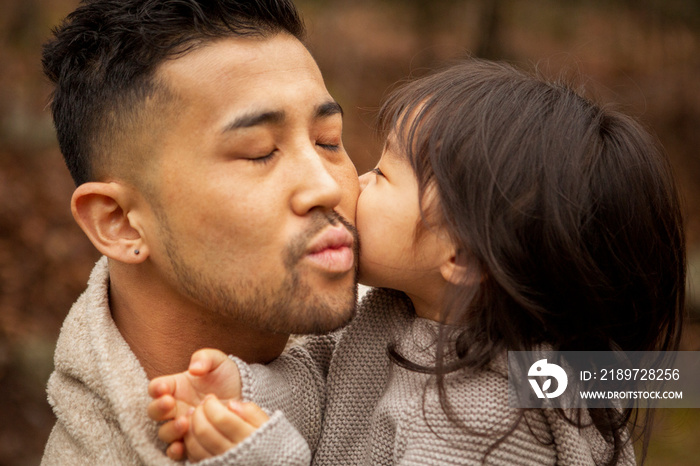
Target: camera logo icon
{"points": [[543, 369]]}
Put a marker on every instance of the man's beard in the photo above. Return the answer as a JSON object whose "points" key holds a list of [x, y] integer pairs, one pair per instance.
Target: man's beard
{"points": [[293, 307]]}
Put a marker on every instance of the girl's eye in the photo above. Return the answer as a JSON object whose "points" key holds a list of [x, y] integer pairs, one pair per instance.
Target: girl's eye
{"points": [[378, 171]]}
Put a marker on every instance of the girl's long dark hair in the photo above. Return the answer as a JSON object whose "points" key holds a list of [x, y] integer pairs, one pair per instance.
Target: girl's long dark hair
{"points": [[568, 210]]}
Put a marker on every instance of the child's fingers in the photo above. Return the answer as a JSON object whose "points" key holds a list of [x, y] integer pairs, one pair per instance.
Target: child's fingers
{"points": [[227, 422], [176, 451], [174, 430], [249, 412], [194, 449], [160, 386], [162, 408], [206, 430], [205, 361]]}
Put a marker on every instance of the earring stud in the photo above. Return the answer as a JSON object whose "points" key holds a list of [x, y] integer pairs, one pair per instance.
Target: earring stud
{"points": [[137, 252]]}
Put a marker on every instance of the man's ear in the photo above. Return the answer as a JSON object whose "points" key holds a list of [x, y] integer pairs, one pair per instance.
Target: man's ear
{"points": [[101, 210], [459, 270]]}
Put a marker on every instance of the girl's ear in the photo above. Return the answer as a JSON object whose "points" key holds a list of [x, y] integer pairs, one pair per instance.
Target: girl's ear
{"points": [[102, 212], [459, 270]]}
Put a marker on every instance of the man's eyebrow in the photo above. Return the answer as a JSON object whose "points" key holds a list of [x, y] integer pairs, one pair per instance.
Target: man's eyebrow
{"points": [[255, 119], [328, 109], [261, 118]]}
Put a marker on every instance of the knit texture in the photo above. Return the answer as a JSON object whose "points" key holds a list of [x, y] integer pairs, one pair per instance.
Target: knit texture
{"points": [[98, 389], [303, 399], [99, 394], [377, 413], [275, 443]]}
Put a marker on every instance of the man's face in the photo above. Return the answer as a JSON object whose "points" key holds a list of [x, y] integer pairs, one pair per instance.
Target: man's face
{"points": [[253, 190]]}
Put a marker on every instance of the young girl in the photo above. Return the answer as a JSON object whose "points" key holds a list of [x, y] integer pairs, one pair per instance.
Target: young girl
{"points": [[506, 213]]}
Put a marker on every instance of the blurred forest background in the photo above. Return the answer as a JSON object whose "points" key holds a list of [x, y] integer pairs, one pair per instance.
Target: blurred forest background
{"points": [[643, 54]]}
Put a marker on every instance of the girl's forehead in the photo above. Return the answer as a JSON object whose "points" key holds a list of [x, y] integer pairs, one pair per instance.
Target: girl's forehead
{"points": [[394, 150], [391, 146]]}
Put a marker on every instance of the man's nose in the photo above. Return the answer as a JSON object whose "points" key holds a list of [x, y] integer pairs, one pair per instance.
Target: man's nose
{"points": [[317, 187]]}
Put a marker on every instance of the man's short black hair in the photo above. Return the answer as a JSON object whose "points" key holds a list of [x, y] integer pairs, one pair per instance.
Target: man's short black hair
{"points": [[102, 60]]}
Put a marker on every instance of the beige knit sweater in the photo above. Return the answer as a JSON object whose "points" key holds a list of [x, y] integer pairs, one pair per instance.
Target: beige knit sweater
{"points": [[377, 413], [99, 393]]}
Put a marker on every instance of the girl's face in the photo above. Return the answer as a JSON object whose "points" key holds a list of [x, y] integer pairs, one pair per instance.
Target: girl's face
{"points": [[391, 255]]}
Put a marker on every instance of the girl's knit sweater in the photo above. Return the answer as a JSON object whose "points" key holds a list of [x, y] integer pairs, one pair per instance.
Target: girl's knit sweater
{"points": [[354, 406]]}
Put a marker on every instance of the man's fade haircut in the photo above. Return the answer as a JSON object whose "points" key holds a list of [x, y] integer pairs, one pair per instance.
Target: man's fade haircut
{"points": [[103, 58]]}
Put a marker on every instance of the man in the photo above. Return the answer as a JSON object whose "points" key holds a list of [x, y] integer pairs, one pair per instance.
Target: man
{"points": [[211, 174]]}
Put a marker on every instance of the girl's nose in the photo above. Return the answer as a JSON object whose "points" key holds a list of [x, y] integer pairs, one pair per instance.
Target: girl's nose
{"points": [[364, 180]]}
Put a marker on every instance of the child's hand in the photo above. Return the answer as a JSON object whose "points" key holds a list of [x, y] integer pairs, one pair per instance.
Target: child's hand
{"points": [[210, 371], [216, 427]]}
